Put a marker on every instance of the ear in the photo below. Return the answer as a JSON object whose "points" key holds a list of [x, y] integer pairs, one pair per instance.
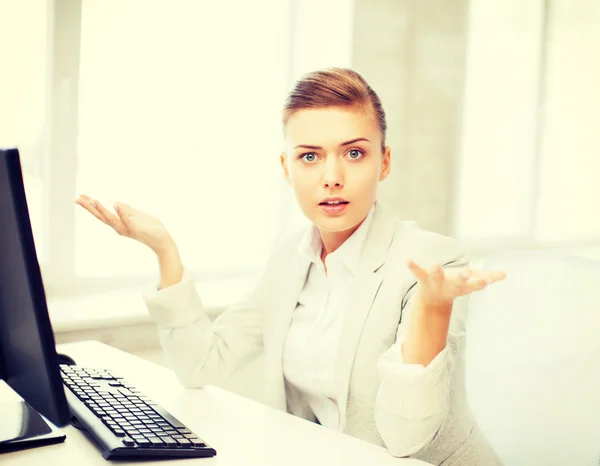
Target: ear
{"points": [[283, 160], [385, 163]]}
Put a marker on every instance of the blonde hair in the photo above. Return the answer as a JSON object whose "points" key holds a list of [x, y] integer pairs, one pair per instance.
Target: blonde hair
{"points": [[334, 87]]}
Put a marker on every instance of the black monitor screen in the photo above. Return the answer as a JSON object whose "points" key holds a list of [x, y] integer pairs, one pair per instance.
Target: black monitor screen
{"points": [[28, 360]]}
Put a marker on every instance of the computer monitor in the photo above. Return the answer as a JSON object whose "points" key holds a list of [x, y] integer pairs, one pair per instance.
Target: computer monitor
{"points": [[28, 359]]}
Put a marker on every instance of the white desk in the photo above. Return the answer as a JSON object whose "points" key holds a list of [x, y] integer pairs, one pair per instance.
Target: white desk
{"points": [[244, 432]]}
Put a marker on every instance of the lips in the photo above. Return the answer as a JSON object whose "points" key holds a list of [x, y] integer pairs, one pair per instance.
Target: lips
{"points": [[333, 206], [332, 201]]}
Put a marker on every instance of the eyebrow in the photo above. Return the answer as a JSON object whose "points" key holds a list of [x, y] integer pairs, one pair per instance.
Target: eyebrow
{"points": [[306, 146]]}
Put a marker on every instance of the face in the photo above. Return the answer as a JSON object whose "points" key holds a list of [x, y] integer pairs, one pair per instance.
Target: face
{"points": [[334, 152]]}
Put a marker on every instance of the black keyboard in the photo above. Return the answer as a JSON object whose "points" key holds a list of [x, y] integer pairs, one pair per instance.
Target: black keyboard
{"points": [[123, 422]]}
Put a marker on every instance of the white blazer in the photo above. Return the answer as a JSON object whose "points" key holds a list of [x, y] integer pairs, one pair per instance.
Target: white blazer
{"points": [[413, 411]]}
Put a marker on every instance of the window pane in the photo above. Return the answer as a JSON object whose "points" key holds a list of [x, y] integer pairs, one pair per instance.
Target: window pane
{"points": [[570, 162], [22, 99], [500, 119], [180, 116]]}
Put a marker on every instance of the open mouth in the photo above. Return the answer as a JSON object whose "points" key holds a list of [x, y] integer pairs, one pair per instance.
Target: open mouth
{"points": [[333, 203], [333, 207]]}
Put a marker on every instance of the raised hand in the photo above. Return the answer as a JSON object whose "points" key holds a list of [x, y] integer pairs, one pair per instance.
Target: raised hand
{"points": [[440, 287], [131, 223]]}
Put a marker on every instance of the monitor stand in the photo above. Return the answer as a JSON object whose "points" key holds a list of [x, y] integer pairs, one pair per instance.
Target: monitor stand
{"points": [[22, 426]]}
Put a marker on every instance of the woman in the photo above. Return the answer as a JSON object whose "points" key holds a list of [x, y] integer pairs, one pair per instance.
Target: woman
{"points": [[361, 317]]}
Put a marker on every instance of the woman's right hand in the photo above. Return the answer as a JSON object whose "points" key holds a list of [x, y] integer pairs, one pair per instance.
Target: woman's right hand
{"points": [[131, 223]]}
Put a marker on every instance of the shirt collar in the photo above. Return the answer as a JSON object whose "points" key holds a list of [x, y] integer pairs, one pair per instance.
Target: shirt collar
{"points": [[348, 253]]}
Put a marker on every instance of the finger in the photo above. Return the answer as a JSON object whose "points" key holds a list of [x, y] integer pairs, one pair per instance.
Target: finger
{"points": [[436, 273], [125, 218], [417, 271], [111, 219], [465, 274], [477, 285], [480, 284], [492, 276], [87, 205], [495, 275], [83, 199], [124, 208]]}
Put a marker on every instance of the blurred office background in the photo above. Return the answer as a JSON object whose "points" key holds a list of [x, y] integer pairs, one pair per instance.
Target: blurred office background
{"points": [[174, 107]]}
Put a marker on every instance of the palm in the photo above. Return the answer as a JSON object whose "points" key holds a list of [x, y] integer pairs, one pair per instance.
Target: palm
{"points": [[129, 222], [145, 227], [444, 286]]}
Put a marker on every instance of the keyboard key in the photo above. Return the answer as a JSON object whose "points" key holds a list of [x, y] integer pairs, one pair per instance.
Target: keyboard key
{"points": [[170, 442], [185, 443], [155, 441], [128, 441]]}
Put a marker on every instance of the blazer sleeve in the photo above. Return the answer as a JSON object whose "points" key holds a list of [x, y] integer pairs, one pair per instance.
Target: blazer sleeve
{"points": [[200, 351], [413, 400]]}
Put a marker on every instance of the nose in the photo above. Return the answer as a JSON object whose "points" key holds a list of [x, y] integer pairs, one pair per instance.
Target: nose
{"points": [[333, 175]]}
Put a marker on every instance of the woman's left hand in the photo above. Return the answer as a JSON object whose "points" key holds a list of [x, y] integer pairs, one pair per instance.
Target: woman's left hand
{"points": [[439, 288]]}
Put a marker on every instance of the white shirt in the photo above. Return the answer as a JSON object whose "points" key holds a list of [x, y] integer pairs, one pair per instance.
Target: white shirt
{"points": [[309, 357]]}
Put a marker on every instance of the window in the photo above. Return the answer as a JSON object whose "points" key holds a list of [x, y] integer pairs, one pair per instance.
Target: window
{"points": [[569, 151], [22, 101], [529, 157], [172, 107], [179, 116]]}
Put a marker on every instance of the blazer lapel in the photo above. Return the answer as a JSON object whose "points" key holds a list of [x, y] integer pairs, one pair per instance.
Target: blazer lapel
{"points": [[362, 295], [281, 318]]}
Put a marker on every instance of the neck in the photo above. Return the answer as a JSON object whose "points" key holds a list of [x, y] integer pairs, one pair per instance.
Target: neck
{"points": [[332, 240]]}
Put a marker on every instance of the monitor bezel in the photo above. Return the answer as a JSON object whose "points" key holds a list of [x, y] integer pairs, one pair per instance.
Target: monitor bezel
{"points": [[60, 415]]}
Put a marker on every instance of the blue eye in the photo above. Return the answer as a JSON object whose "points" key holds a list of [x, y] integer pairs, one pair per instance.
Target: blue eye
{"points": [[355, 154], [308, 157]]}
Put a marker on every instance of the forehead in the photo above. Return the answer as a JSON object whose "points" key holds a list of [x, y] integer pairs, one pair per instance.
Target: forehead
{"points": [[330, 125]]}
